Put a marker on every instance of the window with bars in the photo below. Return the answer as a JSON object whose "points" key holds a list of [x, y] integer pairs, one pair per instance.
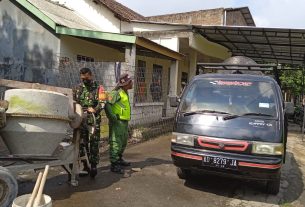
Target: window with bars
{"points": [[156, 84], [141, 88], [81, 58]]}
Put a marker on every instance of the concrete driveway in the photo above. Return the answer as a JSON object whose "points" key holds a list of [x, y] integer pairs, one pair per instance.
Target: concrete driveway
{"points": [[157, 184]]}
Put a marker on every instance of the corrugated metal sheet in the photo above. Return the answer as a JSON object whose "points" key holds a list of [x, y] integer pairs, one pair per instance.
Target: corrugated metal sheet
{"points": [[277, 45], [62, 15]]}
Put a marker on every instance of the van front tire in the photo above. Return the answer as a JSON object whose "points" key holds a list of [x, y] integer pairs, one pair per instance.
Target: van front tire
{"points": [[183, 173], [273, 186]]}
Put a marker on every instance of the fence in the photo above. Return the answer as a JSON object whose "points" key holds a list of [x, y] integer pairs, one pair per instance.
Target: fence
{"points": [[151, 114]]}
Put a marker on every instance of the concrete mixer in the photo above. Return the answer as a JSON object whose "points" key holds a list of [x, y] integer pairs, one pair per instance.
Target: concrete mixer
{"points": [[34, 121]]}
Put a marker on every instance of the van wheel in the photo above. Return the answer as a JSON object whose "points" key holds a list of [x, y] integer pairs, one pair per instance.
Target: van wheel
{"points": [[183, 173], [8, 187], [273, 186]]}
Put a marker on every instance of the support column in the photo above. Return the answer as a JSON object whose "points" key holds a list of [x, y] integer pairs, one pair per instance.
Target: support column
{"points": [[173, 85], [193, 64], [130, 55], [174, 70], [130, 67]]}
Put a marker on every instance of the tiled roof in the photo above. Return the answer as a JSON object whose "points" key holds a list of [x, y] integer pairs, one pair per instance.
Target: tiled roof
{"points": [[122, 12]]}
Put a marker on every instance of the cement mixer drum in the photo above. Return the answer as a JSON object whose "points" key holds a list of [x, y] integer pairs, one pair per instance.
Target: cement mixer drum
{"points": [[37, 121]]}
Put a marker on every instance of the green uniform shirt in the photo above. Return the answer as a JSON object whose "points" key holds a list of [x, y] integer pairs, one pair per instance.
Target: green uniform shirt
{"points": [[87, 96], [118, 106]]}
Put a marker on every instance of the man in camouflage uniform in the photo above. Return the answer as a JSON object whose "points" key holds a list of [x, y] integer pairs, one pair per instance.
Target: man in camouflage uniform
{"points": [[86, 94], [118, 112]]}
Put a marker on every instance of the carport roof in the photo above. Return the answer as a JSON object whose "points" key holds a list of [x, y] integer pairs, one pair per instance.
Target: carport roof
{"points": [[264, 45]]}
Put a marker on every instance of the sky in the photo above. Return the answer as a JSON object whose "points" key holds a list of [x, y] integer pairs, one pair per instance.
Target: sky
{"points": [[266, 13]]}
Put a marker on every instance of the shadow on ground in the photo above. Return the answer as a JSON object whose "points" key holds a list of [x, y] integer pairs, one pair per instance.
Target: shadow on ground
{"points": [[252, 190], [58, 188]]}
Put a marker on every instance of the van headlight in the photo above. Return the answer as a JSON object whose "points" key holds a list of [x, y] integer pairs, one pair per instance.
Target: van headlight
{"points": [[267, 148], [185, 139]]}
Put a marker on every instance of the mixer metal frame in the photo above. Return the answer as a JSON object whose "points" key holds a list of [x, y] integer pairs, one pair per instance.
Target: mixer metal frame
{"points": [[67, 156]]}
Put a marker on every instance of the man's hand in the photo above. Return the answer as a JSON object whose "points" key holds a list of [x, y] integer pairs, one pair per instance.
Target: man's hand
{"points": [[91, 110]]}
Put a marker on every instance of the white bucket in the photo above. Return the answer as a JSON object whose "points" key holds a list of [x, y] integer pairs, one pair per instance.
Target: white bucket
{"points": [[21, 201]]}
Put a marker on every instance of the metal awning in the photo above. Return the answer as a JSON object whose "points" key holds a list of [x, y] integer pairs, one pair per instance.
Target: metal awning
{"points": [[264, 45]]}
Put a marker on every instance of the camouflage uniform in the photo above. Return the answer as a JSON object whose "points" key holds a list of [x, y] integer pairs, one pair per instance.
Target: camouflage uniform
{"points": [[87, 96]]}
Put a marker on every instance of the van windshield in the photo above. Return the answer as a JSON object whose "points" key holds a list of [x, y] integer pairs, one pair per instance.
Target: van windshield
{"points": [[230, 96]]}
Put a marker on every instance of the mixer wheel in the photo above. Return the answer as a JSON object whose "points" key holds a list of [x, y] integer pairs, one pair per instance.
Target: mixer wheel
{"points": [[8, 187]]}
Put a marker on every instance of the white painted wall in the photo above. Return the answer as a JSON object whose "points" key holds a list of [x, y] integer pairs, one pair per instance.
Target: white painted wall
{"points": [[71, 47], [97, 14], [27, 46], [171, 43]]}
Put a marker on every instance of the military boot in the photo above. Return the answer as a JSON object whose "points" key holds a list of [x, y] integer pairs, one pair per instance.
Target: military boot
{"points": [[93, 171], [123, 162], [116, 168]]}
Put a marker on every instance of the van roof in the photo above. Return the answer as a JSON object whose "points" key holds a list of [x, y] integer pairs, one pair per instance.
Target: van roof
{"points": [[235, 76]]}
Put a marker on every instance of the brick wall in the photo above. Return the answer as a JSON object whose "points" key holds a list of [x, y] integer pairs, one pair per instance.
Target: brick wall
{"points": [[203, 17], [235, 18]]}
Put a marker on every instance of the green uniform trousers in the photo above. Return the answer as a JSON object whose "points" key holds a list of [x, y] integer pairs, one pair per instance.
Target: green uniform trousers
{"points": [[118, 136], [90, 141]]}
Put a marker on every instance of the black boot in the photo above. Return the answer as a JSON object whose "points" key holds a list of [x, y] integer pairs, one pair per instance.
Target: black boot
{"points": [[116, 168], [93, 171], [122, 162]]}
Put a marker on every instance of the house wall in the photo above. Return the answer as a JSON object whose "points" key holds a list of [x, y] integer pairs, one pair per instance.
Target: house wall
{"points": [[97, 14], [72, 46], [26, 47], [169, 42], [235, 18], [147, 108], [149, 73], [203, 17]]}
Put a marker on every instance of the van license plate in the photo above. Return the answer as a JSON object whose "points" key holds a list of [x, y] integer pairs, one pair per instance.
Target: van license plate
{"points": [[219, 162]]}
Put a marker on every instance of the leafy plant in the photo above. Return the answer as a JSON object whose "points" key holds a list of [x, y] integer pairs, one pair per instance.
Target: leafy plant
{"points": [[291, 81]]}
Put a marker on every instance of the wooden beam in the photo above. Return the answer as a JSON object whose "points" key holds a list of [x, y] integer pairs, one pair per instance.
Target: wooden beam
{"points": [[148, 44]]}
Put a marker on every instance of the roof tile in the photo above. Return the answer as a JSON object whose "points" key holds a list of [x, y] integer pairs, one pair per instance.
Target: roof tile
{"points": [[123, 12]]}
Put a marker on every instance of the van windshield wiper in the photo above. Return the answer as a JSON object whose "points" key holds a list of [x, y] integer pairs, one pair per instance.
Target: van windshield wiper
{"points": [[246, 114], [204, 111]]}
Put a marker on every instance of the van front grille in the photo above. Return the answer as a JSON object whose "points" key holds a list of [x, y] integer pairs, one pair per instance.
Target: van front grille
{"points": [[223, 144]]}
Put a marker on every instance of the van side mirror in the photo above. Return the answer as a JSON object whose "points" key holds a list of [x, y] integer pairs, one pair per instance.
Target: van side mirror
{"points": [[174, 101]]}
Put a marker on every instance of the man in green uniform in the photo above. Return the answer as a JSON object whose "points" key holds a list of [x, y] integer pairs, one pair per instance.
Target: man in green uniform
{"points": [[118, 112], [86, 94]]}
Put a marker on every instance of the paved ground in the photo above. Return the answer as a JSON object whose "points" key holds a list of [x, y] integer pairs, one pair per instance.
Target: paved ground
{"points": [[157, 184]]}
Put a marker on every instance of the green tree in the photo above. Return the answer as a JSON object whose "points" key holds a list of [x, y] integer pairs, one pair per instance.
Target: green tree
{"points": [[291, 81]]}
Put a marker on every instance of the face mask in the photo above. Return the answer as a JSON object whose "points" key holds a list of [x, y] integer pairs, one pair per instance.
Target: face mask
{"points": [[86, 82]]}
